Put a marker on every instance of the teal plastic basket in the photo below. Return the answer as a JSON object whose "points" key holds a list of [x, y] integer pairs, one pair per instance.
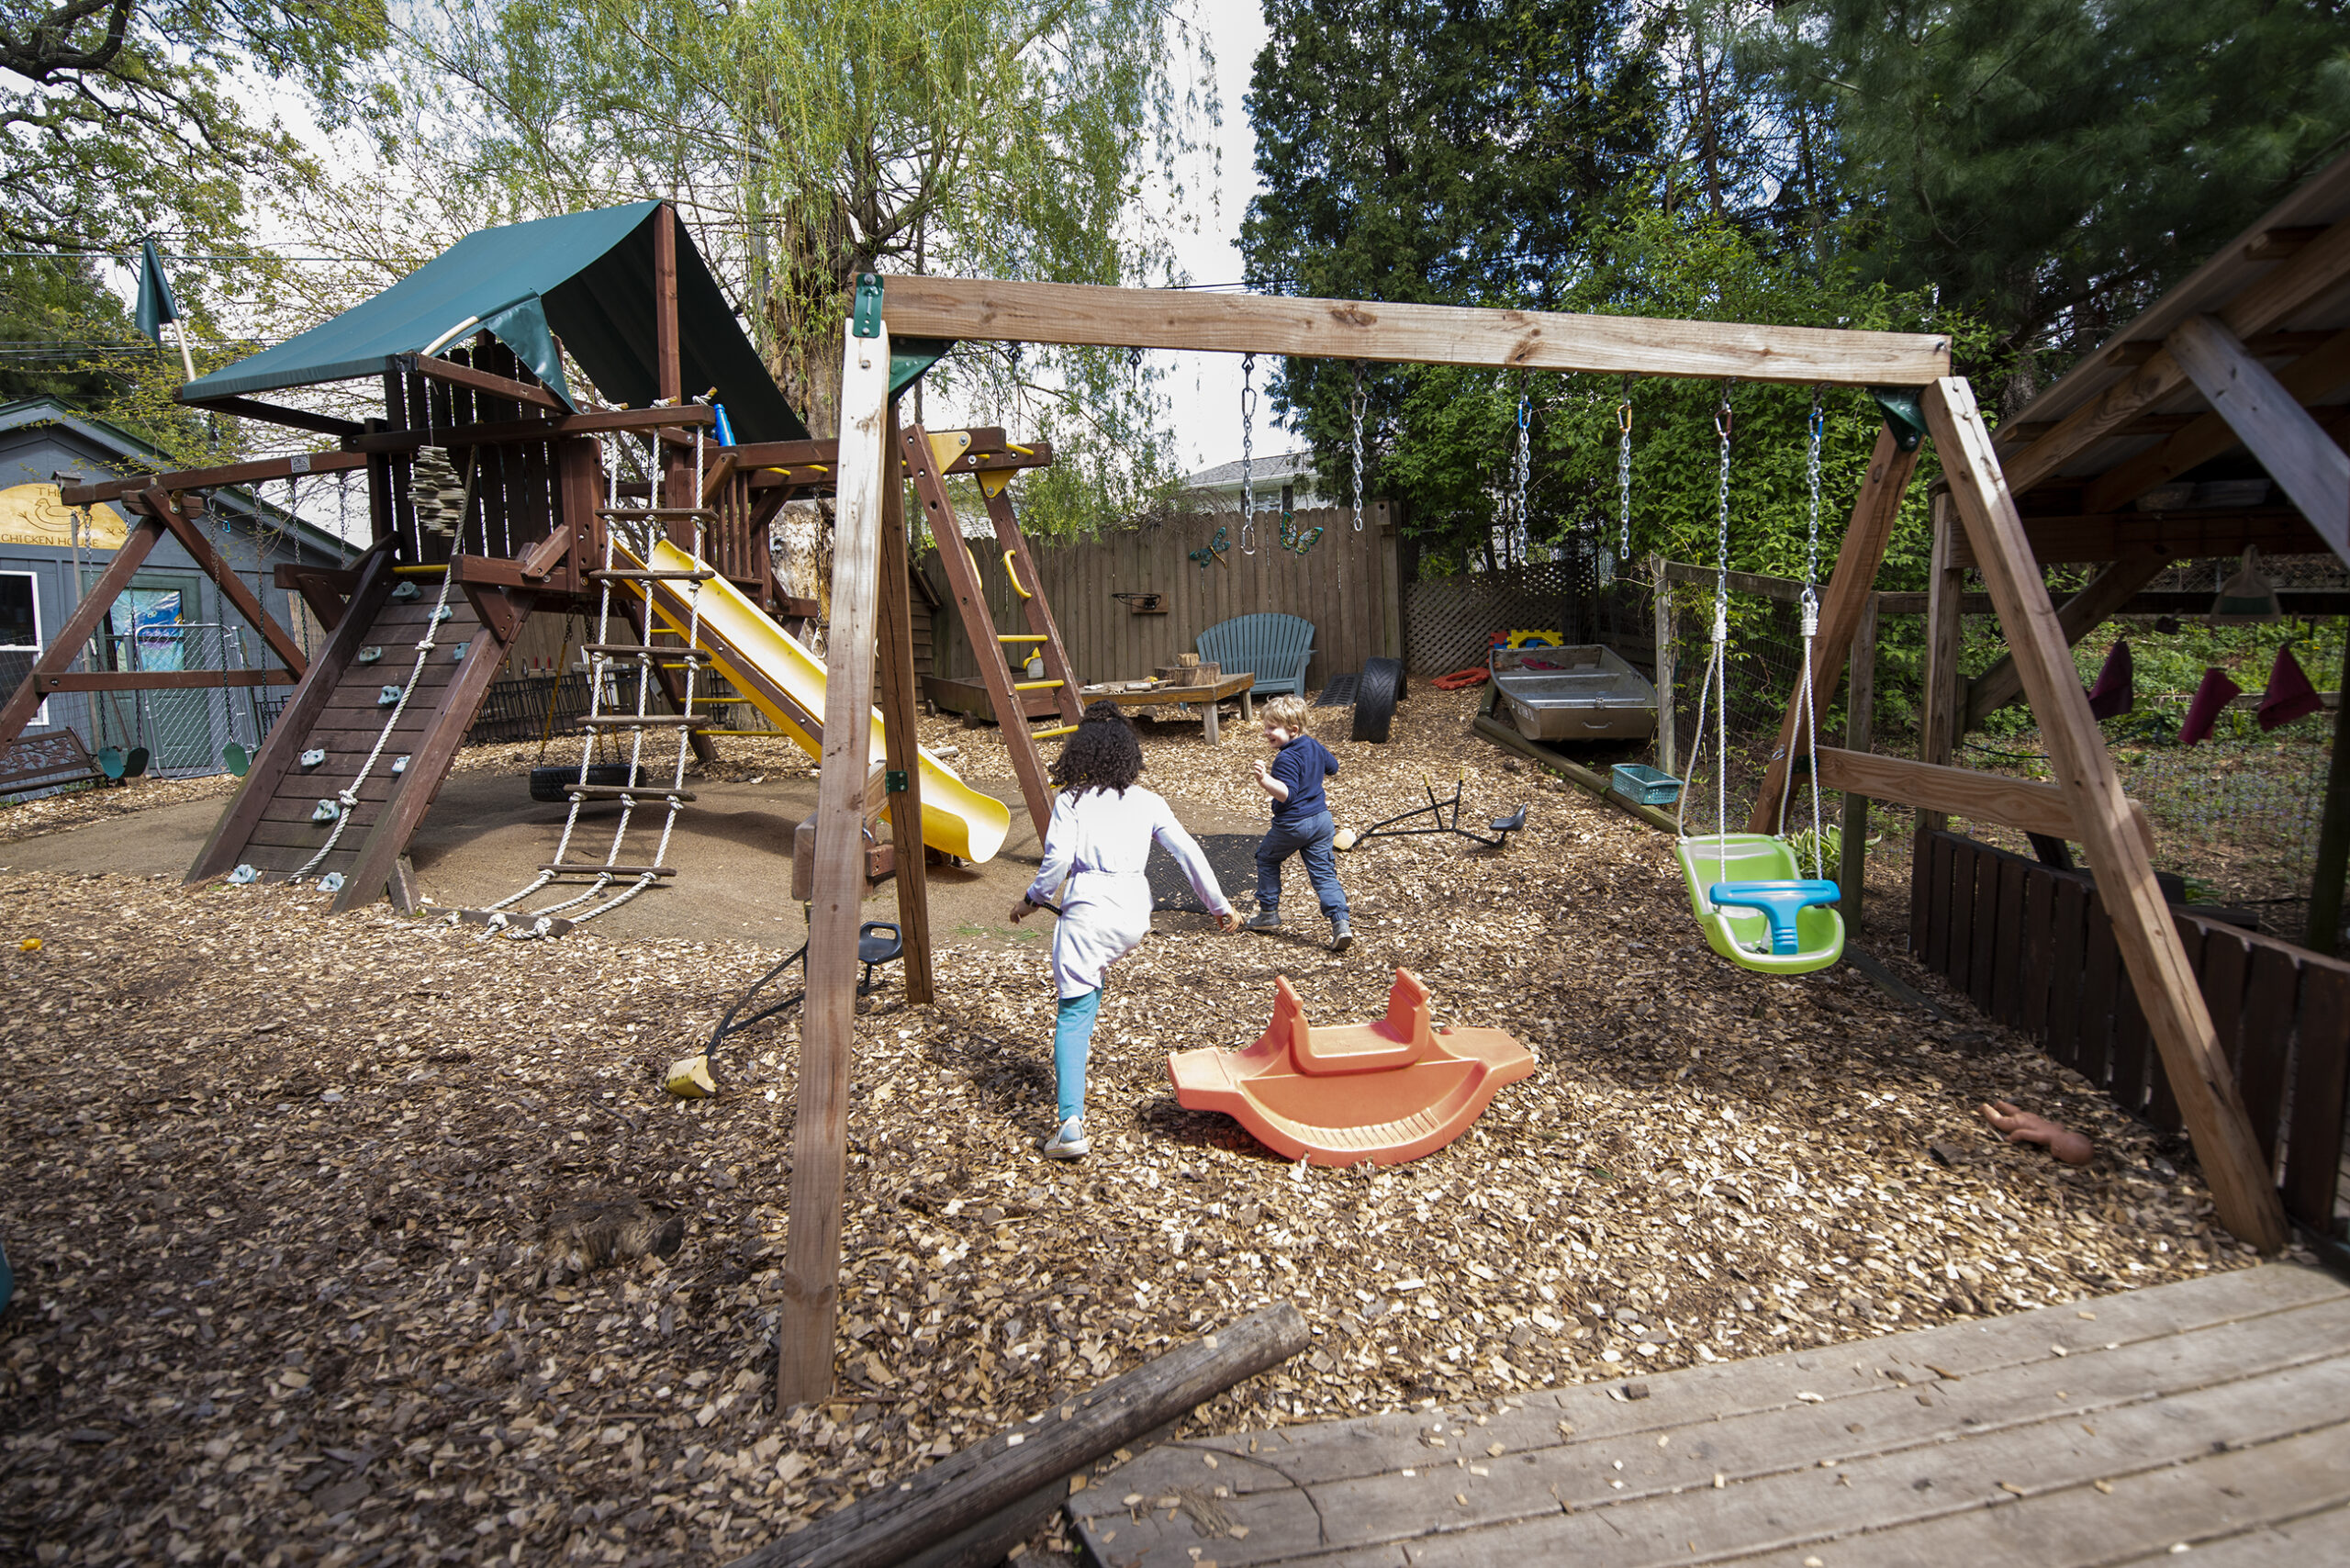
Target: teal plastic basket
{"points": [[1645, 786]]}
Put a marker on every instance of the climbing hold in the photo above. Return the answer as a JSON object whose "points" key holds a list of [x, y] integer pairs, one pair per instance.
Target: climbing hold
{"points": [[331, 882], [403, 593], [30, 945], [244, 874], [315, 755], [399, 763], [325, 811], [440, 613], [457, 654], [369, 655], [386, 696]]}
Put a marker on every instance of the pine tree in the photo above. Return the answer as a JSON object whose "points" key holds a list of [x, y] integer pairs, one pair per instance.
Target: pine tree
{"points": [[2055, 165]]}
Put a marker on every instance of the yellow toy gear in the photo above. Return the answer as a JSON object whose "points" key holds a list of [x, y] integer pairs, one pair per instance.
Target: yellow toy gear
{"points": [[1527, 639]]}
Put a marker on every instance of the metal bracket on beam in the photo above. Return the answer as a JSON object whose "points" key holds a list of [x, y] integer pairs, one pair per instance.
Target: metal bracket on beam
{"points": [[1903, 415], [865, 321], [909, 357]]}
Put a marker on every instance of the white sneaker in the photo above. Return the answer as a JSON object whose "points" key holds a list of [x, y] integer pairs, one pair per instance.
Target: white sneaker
{"points": [[1068, 1142]]}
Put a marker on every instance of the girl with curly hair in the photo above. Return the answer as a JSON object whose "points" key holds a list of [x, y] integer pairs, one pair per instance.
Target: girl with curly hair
{"points": [[1099, 840]]}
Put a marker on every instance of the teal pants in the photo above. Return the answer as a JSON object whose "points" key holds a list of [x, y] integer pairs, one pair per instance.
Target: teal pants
{"points": [[1072, 1040]]}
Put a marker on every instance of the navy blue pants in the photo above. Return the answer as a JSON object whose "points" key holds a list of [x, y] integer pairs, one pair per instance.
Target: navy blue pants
{"points": [[1308, 838]]}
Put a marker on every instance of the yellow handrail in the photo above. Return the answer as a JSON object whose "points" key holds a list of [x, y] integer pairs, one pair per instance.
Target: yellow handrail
{"points": [[1014, 576]]}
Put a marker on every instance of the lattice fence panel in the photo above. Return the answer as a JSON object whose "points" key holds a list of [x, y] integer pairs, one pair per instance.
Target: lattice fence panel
{"points": [[1449, 623]]}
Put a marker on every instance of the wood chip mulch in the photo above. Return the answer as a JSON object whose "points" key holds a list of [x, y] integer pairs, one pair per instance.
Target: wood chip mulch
{"points": [[345, 1241]]}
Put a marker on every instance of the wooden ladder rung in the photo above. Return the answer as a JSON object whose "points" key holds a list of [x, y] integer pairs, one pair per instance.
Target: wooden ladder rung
{"points": [[588, 869], [632, 650]]}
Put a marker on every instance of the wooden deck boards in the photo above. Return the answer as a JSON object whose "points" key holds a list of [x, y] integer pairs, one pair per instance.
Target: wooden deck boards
{"points": [[2214, 1412]]}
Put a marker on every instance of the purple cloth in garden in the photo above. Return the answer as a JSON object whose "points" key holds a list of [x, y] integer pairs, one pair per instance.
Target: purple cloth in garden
{"points": [[2116, 687], [2289, 695], [2212, 699]]}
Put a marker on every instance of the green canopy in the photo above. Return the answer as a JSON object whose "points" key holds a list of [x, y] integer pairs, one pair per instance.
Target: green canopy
{"points": [[585, 278]]}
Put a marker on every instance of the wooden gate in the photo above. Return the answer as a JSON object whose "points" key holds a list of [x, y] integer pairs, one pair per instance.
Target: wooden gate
{"points": [[2034, 949]]}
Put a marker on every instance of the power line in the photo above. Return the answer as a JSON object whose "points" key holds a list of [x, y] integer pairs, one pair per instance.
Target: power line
{"points": [[130, 259]]}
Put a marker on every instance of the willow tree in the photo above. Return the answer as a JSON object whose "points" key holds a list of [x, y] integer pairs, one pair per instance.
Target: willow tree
{"points": [[810, 140]]}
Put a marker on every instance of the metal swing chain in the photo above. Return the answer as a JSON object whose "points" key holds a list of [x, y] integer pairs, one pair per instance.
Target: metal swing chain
{"points": [[1810, 611], [1718, 670], [1354, 415], [1624, 473], [1520, 476], [1248, 445]]}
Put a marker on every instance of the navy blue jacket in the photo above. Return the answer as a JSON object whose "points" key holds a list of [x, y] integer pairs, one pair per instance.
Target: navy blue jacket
{"points": [[1301, 765]]}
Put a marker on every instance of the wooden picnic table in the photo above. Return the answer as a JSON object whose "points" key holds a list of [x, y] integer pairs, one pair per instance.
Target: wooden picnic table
{"points": [[1207, 696]]}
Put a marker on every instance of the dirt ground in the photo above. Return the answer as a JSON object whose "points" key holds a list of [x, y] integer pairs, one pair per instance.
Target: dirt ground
{"points": [[310, 1215]]}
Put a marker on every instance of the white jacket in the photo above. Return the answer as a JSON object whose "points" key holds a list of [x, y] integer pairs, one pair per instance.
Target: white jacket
{"points": [[1100, 843]]}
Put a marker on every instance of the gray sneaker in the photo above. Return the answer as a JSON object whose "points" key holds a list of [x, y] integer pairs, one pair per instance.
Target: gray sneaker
{"points": [[1265, 920], [1342, 933], [1068, 1142]]}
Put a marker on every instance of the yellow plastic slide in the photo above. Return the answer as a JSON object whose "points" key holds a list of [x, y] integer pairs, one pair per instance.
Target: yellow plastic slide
{"points": [[760, 658]]}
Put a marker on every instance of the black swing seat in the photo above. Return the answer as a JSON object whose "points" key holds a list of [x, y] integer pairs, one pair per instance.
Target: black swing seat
{"points": [[873, 949], [1511, 822]]}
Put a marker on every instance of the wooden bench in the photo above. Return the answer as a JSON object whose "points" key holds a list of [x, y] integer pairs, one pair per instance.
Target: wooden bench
{"points": [[1274, 647], [44, 762]]}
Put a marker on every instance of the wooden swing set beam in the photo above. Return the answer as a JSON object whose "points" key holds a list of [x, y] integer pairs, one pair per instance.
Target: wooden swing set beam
{"points": [[992, 310]]}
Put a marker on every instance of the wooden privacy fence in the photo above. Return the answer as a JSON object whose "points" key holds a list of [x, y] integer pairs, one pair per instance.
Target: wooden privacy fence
{"points": [[2034, 949], [1346, 585]]}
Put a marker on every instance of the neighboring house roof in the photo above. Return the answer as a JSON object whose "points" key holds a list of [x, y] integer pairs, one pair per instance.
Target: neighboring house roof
{"points": [[1275, 469], [584, 277], [122, 446]]}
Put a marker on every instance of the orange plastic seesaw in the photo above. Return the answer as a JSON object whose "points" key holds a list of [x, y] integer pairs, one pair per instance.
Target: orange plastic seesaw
{"points": [[1386, 1091]]}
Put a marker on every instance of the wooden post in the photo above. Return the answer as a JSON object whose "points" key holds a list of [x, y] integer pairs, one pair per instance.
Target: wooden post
{"points": [[2243, 1192], [1860, 706], [820, 1123], [901, 755], [2324, 934], [1945, 633], [665, 366], [1667, 734], [1849, 585]]}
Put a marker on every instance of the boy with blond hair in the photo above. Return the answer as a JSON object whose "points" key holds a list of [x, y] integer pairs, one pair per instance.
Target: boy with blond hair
{"points": [[1302, 825]]}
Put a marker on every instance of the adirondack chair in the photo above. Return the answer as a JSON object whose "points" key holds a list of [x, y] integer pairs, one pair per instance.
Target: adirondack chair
{"points": [[1273, 648]]}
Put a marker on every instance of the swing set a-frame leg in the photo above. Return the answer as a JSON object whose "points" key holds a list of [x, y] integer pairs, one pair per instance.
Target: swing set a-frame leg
{"points": [[2242, 1189]]}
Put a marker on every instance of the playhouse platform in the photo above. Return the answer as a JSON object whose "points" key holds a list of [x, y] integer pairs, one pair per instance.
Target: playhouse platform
{"points": [[2211, 1416]]}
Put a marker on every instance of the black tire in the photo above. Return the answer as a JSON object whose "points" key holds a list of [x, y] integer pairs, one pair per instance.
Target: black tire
{"points": [[1375, 697], [547, 783]]}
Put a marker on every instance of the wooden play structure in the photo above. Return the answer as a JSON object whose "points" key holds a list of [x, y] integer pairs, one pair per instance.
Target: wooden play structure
{"points": [[494, 494], [1923, 399], [1386, 1091]]}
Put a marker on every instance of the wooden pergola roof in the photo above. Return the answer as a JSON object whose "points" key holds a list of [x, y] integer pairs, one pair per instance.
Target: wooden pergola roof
{"points": [[2252, 351]]}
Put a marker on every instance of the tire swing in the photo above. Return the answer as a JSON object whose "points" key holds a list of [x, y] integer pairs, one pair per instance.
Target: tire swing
{"points": [[1376, 694], [1747, 890]]}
